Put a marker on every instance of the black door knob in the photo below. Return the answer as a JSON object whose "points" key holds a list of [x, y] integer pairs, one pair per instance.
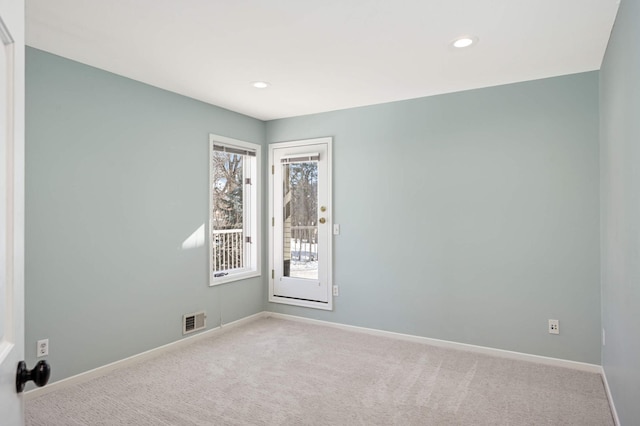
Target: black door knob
{"points": [[40, 374]]}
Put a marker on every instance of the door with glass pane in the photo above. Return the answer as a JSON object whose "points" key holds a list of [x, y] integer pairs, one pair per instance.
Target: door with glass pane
{"points": [[301, 223]]}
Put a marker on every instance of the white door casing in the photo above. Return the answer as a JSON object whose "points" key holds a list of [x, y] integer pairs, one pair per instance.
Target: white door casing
{"points": [[11, 208], [300, 253]]}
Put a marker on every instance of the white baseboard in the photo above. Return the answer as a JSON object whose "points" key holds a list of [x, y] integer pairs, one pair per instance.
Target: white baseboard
{"points": [[575, 365], [614, 413], [152, 353]]}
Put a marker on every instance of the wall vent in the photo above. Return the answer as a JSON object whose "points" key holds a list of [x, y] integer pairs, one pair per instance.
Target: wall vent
{"points": [[194, 322]]}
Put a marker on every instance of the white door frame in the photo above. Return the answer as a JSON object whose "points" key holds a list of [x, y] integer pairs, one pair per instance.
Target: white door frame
{"points": [[329, 217], [12, 210]]}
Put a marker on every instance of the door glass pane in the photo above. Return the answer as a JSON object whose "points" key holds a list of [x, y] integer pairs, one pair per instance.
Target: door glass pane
{"points": [[300, 204]]}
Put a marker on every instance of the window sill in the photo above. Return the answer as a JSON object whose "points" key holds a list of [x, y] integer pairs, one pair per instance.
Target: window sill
{"points": [[234, 277]]}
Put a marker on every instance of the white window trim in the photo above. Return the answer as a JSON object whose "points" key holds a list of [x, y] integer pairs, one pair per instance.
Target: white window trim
{"points": [[256, 224]]}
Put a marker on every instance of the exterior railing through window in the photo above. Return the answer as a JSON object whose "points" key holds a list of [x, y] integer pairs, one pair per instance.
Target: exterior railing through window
{"points": [[228, 249]]}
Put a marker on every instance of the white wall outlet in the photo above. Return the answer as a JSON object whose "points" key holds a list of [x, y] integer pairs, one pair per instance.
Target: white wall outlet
{"points": [[43, 348], [603, 337], [336, 229], [336, 290], [554, 326]]}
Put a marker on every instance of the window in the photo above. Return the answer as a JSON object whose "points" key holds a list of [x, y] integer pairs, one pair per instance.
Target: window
{"points": [[234, 224]]}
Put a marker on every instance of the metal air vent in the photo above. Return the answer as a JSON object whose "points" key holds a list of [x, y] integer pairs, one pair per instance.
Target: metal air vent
{"points": [[194, 322]]}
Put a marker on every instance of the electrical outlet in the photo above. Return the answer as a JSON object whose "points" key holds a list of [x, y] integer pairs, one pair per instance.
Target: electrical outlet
{"points": [[43, 348], [336, 290], [603, 337], [554, 326], [336, 229]]}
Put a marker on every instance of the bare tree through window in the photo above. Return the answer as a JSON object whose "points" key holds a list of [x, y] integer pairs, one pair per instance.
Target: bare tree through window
{"points": [[227, 214]]}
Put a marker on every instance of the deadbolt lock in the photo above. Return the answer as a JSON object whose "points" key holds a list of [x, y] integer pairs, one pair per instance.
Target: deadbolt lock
{"points": [[323, 209], [322, 220]]}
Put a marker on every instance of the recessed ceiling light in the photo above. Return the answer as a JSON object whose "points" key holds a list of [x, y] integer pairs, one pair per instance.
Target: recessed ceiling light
{"points": [[464, 41], [260, 84]]}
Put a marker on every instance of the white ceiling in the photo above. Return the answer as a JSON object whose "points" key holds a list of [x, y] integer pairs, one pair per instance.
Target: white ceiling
{"points": [[323, 55]]}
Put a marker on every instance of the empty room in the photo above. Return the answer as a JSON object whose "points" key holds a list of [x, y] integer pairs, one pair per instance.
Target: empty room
{"points": [[339, 213]]}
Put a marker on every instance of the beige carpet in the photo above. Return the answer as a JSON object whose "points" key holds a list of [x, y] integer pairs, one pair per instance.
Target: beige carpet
{"points": [[279, 372]]}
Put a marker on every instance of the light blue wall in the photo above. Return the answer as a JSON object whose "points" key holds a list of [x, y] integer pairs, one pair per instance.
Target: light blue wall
{"points": [[620, 179], [116, 180], [471, 217]]}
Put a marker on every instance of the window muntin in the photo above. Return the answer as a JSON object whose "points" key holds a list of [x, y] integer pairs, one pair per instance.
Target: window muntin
{"points": [[234, 209]]}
